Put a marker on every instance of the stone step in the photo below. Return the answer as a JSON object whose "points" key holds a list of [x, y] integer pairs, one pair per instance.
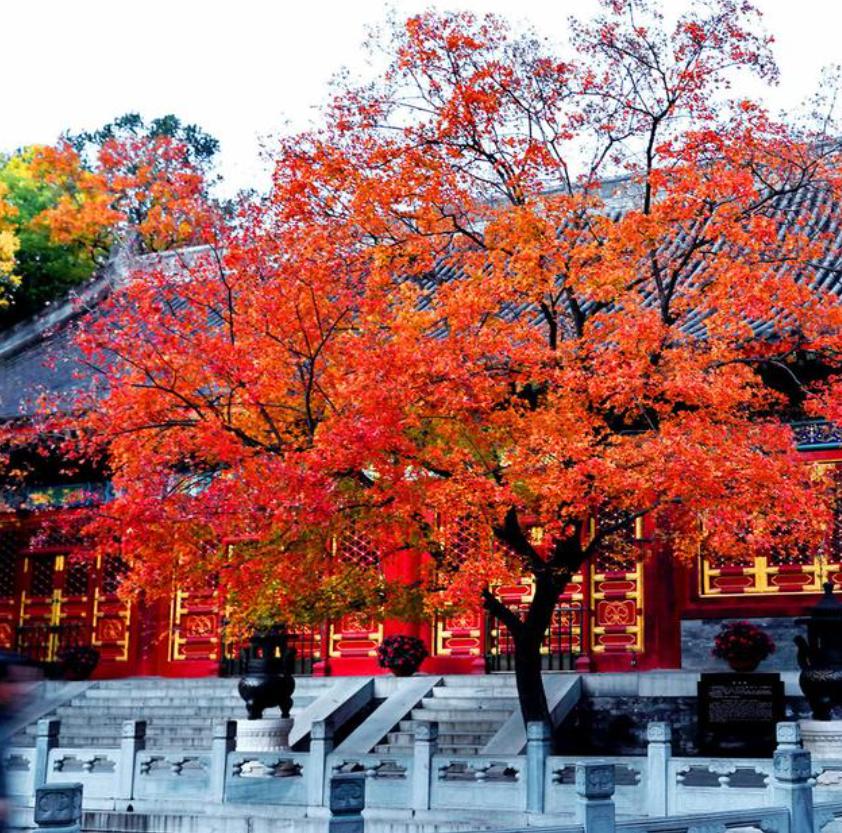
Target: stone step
{"points": [[154, 745], [147, 713], [399, 738], [113, 729], [130, 708], [457, 750], [445, 738], [493, 716], [304, 681], [461, 750], [478, 692], [183, 692], [71, 727], [490, 680], [479, 727], [471, 703], [465, 738], [163, 694], [73, 733], [175, 702], [74, 721]]}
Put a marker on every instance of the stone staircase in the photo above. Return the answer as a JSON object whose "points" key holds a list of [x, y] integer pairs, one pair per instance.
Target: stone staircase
{"points": [[468, 710], [179, 713]]}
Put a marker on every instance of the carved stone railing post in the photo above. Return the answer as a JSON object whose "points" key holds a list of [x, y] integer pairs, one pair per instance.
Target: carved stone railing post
{"points": [[58, 808], [426, 745], [45, 740], [347, 802], [788, 736], [538, 739], [658, 753], [224, 741], [321, 745], [594, 802], [791, 787], [132, 741]]}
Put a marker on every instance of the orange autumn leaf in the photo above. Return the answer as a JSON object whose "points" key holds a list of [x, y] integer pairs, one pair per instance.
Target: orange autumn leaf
{"points": [[502, 288]]}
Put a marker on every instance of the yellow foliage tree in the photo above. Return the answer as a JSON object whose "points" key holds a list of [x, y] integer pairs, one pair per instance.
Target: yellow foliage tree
{"points": [[9, 244]]}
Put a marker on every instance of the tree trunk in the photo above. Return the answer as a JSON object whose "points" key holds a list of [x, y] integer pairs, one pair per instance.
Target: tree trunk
{"points": [[528, 636], [530, 685], [528, 640], [551, 577]]}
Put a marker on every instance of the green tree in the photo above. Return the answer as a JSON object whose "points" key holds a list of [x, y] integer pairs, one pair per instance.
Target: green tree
{"points": [[47, 270], [129, 148]]}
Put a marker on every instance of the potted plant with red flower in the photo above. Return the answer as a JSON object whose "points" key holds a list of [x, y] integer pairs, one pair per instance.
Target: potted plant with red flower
{"points": [[742, 645], [402, 655]]}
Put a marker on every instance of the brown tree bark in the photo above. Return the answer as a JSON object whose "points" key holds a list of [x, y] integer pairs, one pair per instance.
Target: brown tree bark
{"points": [[551, 576]]}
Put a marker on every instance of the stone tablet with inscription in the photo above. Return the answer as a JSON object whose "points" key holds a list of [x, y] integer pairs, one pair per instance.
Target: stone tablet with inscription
{"points": [[738, 713]]}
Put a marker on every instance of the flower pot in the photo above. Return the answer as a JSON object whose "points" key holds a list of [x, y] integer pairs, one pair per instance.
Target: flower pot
{"points": [[743, 664], [404, 670]]}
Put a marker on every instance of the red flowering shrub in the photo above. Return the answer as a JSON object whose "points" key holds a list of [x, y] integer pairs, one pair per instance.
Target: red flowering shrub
{"points": [[742, 641], [402, 655]]}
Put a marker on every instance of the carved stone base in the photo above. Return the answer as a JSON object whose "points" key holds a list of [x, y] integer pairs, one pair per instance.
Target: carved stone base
{"points": [[823, 738], [264, 735]]}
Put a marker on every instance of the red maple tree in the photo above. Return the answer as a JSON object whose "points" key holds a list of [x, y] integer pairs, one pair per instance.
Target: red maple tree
{"points": [[149, 186], [497, 288]]}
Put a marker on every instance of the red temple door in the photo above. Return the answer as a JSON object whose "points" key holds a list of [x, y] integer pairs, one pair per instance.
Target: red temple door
{"points": [[112, 623], [56, 604], [10, 586]]}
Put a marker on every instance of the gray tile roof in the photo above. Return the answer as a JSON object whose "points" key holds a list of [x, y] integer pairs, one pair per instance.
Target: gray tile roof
{"points": [[39, 355]]}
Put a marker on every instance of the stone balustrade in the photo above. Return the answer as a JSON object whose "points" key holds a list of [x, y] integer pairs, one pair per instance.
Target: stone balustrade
{"points": [[424, 780]]}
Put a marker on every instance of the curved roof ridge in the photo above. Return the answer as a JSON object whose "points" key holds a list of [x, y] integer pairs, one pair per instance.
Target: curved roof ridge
{"points": [[81, 299]]}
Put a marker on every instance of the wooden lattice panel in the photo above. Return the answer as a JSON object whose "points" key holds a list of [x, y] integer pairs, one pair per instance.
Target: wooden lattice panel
{"points": [[791, 573], [357, 548], [355, 636], [460, 634], [111, 616], [194, 626], [565, 631], [75, 579], [40, 604], [10, 563], [616, 604], [764, 574]]}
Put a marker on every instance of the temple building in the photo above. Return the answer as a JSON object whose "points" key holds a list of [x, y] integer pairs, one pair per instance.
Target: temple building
{"points": [[641, 611]]}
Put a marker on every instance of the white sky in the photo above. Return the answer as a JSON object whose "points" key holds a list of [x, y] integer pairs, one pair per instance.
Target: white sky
{"points": [[253, 68]]}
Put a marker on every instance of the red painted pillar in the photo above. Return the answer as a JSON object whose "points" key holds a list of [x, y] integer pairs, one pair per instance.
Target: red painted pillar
{"points": [[585, 662], [152, 635], [405, 567], [664, 593], [321, 668]]}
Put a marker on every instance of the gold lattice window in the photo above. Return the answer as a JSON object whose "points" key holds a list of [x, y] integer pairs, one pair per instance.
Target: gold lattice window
{"points": [[114, 569], [358, 548], [76, 578], [9, 548]]}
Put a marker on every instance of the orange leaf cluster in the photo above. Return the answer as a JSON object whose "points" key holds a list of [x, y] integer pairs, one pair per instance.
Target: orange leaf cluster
{"points": [[140, 186], [499, 286]]}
